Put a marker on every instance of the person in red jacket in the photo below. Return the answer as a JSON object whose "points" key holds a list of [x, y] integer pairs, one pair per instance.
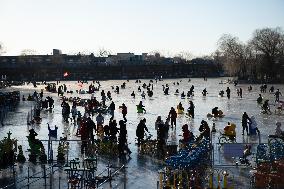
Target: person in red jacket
{"points": [[84, 134], [186, 133]]}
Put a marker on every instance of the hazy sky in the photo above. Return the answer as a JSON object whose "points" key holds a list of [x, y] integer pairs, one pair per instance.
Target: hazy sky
{"points": [[131, 25]]}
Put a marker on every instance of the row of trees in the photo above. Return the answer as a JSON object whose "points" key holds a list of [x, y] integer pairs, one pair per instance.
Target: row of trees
{"points": [[259, 58]]}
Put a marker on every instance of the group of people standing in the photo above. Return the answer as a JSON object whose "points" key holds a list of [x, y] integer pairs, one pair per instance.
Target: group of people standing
{"points": [[87, 127]]}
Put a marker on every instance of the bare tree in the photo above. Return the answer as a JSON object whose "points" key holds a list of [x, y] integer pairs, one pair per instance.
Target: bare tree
{"points": [[218, 59], [236, 55], [269, 43], [156, 56], [182, 57], [102, 52], [154, 52], [186, 55], [27, 52]]}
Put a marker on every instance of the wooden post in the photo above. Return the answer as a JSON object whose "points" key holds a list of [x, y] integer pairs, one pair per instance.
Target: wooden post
{"points": [[174, 185], [161, 180], [180, 180], [211, 184], [225, 183], [28, 177], [219, 182], [44, 176]]}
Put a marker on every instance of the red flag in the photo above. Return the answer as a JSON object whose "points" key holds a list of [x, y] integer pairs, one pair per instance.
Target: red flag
{"points": [[65, 74]]}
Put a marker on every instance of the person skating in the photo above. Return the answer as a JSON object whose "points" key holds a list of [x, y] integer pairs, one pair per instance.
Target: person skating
{"points": [[113, 130], [122, 140], [84, 134], [100, 121], [91, 126], [216, 112], [143, 95], [140, 108], [173, 117], [278, 131], [221, 93], [133, 94], [191, 90], [187, 135], [230, 131], [124, 111], [245, 121], [277, 94], [266, 107], [140, 130], [117, 89], [204, 92], [161, 138], [250, 88], [259, 99], [112, 108], [79, 120], [74, 113], [271, 90], [50, 102], [180, 108], [158, 122], [150, 93], [204, 130], [167, 127], [253, 129], [228, 91], [182, 95], [106, 130], [190, 109], [65, 111], [109, 95], [166, 91]]}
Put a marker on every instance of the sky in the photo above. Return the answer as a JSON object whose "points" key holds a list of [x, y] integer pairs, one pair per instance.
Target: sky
{"points": [[168, 26]]}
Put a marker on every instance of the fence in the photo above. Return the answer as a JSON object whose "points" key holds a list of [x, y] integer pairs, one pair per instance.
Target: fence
{"points": [[57, 174]]}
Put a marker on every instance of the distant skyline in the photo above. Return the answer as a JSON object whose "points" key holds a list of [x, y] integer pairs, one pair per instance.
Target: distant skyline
{"points": [[169, 26]]}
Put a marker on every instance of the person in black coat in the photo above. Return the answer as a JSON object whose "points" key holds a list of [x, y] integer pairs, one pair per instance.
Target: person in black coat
{"points": [[91, 127], [112, 108], [122, 140], [113, 130], [245, 120], [140, 131]]}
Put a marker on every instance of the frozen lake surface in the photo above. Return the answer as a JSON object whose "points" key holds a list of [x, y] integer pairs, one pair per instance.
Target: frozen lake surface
{"points": [[142, 172]]}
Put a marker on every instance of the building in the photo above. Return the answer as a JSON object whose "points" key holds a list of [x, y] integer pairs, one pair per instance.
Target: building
{"points": [[56, 58], [126, 58], [56, 52]]}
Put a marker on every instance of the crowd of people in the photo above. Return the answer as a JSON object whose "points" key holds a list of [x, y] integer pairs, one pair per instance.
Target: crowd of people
{"points": [[111, 131], [92, 124]]}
